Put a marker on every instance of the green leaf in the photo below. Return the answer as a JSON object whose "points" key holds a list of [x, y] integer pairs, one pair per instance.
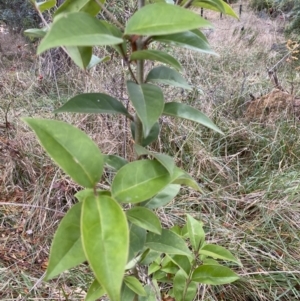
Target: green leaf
{"points": [[196, 232], [81, 56], [209, 261], [83, 194], [214, 274], [114, 161], [138, 181], [72, 6], [71, 149], [177, 230], [164, 160], [187, 112], [154, 132], [126, 293], [193, 40], [96, 60], [135, 285], [168, 266], [156, 55], [115, 31], [167, 76], [144, 218], [45, 5], [66, 249], [95, 291], [149, 256], [216, 5], [183, 178], [36, 32], [168, 242], [150, 294], [179, 285], [159, 19], [163, 197], [191, 291], [105, 240], [97, 103], [182, 262], [148, 100], [218, 252], [153, 267], [137, 238], [77, 29]]}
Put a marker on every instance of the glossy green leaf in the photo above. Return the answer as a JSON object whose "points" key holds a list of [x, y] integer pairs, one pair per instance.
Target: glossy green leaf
{"points": [[183, 262], [96, 60], [36, 32], [71, 149], [218, 252], [135, 285], [193, 40], [95, 291], [153, 135], [214, 274], [216, 5], [163, 197], [164, 160], [179, 284], [97, 103], [45, 5], [105, 241], [66, 249], [137, 239], [196, 232], [77, 29], [156, 55], [167, 76], [80, 55], [148, 100], [115, 161], [144, 218], [159, 19], [71, 6], [168, 242], [189, 113], [138, 181], [183, 178]]}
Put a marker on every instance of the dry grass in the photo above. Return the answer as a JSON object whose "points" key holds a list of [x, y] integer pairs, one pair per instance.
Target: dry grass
{"points": [[250, 176]]}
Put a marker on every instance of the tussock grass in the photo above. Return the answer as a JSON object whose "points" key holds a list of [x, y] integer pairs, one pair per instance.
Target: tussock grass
{"points": [[249, 176]]}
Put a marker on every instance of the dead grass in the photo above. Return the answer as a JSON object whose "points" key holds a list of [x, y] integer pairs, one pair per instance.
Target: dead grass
{"points": [[250, 176]]}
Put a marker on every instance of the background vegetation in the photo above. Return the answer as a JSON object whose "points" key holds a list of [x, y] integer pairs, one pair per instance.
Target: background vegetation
{"points": [[250, 177]]}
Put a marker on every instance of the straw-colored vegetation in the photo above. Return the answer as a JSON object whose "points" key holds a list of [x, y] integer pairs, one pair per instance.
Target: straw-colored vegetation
{"points": [[250, 177]]}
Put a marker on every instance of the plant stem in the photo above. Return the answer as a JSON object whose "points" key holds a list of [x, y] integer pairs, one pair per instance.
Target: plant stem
{"points": [[140, 78], [138, 124]]}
